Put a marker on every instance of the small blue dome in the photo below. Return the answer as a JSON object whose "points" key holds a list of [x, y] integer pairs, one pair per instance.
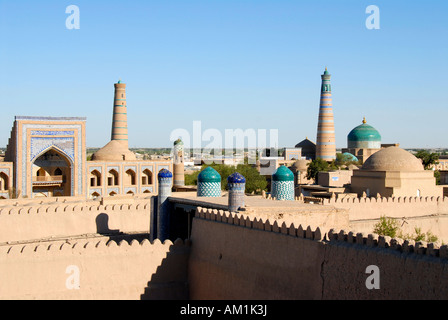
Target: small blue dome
{"points": [[165, 173], [236, 178]]}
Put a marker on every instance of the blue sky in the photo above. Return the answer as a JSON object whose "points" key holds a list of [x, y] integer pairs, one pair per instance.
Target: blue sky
{"points": [[230, 64]]}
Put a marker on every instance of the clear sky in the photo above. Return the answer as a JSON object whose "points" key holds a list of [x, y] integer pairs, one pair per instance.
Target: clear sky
{"points": [[229, 64]]}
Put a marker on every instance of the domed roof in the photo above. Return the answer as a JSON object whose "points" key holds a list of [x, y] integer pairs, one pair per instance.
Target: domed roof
{"points": [[283, 174], [393, 159], [349, 157], [236, 178], [364, 132], [209, 175], [300, 165], [114, 151], [165, 173]]}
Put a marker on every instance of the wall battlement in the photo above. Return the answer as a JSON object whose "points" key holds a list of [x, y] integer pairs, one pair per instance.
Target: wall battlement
{"points": [[363, 239], [259, 224], [80, 246], [385, 242], [244, 258], [69, 208], [105, 270], [433, 199], [31, 222]]}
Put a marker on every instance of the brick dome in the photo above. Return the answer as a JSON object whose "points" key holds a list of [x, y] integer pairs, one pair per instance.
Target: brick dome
{"points": [[114, 151], [393, 159]]}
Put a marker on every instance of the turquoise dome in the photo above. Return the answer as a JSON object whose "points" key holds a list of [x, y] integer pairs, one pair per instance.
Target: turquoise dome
{"points": [[283, 174], [349, 157], [209, 175], [364, 136]]}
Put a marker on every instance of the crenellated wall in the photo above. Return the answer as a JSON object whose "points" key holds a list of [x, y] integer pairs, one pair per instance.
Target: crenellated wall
{"points": [[427, 213], [229, 256], [95, 269], [234, 257], [59, 219]]}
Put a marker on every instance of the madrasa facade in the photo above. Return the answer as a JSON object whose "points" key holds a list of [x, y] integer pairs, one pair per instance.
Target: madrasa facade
{"points": [[46, 157]]}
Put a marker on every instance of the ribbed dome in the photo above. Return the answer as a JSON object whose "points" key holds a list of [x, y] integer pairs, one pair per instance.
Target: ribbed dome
{"points": [[283, 174], [364, 136], [209, 175], [393, 159], [236, 178], [114, 151]]}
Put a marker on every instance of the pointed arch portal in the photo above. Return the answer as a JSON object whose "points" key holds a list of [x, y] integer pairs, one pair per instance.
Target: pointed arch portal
{"points": [[52, 172]]}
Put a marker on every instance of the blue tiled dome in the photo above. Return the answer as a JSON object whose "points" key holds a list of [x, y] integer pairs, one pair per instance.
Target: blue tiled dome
{"points": [[236, 178], [209, 175], [165, 173]]}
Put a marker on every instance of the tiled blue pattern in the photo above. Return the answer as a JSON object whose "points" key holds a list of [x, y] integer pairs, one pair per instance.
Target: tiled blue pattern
{"points": [[283, 190], [209, 189]]}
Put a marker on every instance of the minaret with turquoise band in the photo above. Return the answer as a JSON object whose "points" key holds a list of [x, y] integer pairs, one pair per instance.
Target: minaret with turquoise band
{"points": [[326, 141], [120, 116]]}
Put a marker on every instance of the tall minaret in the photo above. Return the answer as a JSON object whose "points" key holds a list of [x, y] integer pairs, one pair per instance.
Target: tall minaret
{"points": [[326, 142], [120, 117], [178, 164]]}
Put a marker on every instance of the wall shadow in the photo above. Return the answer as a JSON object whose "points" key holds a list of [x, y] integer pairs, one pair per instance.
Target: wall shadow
{"points": [[102, 225], [170, 281]]}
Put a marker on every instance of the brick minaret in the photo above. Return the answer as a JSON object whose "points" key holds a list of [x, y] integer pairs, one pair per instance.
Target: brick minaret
{"points": [[120, 117], [326, 142]]}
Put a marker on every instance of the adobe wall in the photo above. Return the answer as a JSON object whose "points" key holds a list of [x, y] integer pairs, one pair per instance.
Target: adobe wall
{"points": [[107, 270], [428, 213], [234, 257], [30, 221]]}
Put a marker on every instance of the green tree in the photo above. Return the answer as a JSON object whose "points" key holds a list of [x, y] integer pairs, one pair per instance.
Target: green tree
{"points": [[318, 165], [428, 159], [386, 227], [254, 181]]}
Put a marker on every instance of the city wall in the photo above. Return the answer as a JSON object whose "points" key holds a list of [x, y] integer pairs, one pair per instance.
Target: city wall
{"points": [[234, 257], [427, 213], [25, 220], [95, 269]]}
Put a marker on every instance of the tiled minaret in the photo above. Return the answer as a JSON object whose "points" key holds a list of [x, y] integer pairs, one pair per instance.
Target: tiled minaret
{"points": [[326, 142], [120, 117]]}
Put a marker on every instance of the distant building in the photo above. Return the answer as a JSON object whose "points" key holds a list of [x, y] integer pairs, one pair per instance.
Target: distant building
{"points": [[308, 149], [363, 141], [395, 172], [46, 157]]}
